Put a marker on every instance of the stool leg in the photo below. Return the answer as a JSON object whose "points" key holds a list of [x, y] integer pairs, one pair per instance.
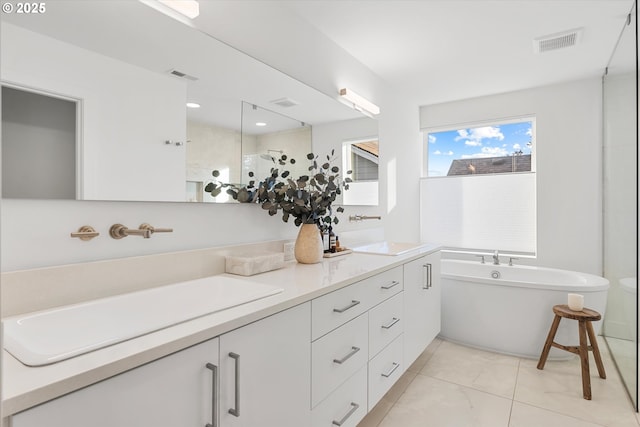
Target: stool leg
{"points": [[584, 360], [596, 350], [547, 344]]}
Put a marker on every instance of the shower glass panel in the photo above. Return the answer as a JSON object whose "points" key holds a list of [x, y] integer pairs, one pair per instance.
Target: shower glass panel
{"points": [[620, 156]]}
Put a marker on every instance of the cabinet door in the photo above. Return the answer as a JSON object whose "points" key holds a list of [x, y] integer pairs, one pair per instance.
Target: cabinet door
{"points": [[266, 370], [175, 391], [421, 305]]}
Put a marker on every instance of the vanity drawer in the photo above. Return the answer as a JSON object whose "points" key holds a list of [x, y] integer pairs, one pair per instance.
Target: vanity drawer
{"points": [[337, 356], [384, 285], [384, 370], [385, 323], [345, 406], [338, 307]]}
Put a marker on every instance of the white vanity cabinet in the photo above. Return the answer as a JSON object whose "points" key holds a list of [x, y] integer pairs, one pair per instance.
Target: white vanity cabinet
{"points": [[265, 372], [261, 372], [350, 326], [176, 390], [421, 304]]}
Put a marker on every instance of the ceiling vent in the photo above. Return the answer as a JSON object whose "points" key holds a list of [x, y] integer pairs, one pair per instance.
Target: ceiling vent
{"points": [[557, 41], [182, 75], [284, 102]]}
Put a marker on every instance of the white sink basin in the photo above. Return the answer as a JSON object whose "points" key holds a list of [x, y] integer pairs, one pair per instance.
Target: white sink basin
{"points": [[50, 336], [387, 248]]}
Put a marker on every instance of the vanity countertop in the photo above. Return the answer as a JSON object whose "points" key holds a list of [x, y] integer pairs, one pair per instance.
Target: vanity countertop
{"points": [[24, 387]]}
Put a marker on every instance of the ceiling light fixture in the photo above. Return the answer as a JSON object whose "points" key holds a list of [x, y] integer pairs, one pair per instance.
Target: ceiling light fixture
{"points": [[358, 102], [261, 124], [193, 105], [188, 8]]}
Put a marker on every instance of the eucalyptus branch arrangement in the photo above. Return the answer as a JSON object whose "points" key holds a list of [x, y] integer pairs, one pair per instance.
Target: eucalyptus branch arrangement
{"points": [[307, 198]]}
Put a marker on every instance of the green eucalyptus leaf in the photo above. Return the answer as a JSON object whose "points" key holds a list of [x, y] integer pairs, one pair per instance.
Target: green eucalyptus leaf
{"points": [[335, 169], [216, 173], [340, 209], [310, 156], [326, 166], [209, 187]]}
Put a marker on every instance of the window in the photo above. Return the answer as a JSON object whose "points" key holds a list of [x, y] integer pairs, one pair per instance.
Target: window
{"points": [[360, 156], [479, 192], [503, 147]]}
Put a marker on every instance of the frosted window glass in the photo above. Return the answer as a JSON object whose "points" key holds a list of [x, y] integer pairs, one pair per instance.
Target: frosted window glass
{"points": [[480, 212]]}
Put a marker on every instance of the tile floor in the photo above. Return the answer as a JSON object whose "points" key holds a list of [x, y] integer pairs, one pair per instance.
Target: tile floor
{"points": [[455, 386]]}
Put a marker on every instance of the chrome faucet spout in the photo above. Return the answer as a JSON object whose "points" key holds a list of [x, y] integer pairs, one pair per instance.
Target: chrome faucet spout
{"points": [[496, 259]]}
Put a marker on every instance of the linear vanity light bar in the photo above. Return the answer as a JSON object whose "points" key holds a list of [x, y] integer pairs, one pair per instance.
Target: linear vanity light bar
{"points": [[180, 10], [189, 8], [358, 102]]}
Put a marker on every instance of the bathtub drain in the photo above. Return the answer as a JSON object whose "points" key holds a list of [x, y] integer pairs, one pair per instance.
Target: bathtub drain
{"points": [[495, 274]]}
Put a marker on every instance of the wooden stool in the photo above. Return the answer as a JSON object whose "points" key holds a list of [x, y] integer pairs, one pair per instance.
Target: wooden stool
{"points": [[584, 318]]}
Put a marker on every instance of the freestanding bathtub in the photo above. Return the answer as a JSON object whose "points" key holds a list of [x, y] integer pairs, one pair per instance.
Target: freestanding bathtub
{"points": [[508, 308]]}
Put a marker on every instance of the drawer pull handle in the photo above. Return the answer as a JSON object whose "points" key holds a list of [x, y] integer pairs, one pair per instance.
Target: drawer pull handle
{"points": [[235, 411], [393, 322], [214, 395], [388, 374], [427, 280], [342, 310], [353, 351], [354, 408], [390, 285]]}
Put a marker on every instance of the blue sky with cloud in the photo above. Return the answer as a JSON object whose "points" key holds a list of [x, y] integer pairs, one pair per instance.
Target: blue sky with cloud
{"points": [[483, 141]]}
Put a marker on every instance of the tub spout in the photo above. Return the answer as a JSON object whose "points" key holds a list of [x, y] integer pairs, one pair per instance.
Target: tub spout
{"points": [[496, 260]]}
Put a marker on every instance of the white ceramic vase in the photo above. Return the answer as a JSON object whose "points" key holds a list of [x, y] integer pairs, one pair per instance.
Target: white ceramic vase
{"points": [[308, 249]]}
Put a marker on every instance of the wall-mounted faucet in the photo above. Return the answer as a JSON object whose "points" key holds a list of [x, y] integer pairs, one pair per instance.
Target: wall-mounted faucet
{"points": [[119, 231], [362, 217], [496, 260]]}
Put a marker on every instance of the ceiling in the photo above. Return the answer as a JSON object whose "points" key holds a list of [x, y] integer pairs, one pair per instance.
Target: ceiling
{"points": [[442, 50]]}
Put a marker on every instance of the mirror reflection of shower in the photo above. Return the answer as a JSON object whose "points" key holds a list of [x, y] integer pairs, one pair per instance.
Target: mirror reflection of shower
{"points": [[268, 135], [272, 155]]}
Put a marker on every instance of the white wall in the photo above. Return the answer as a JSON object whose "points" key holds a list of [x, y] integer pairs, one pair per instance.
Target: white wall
{"points": [[568, 156]]}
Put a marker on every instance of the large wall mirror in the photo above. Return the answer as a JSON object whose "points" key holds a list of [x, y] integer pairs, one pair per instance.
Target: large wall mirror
{"points": [[620, 205], [119, 76]]}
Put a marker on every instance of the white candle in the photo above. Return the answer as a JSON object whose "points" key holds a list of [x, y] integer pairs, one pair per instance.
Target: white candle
{"points": [[576, 302]]}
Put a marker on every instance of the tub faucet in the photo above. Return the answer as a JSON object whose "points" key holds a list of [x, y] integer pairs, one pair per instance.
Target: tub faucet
{"points": [[496, 260]]}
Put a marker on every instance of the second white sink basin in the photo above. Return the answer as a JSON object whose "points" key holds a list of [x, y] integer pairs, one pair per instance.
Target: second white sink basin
{"points": [[387, 248], [50, 336]]}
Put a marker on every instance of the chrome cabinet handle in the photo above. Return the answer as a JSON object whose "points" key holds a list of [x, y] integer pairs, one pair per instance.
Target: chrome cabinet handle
{"points": [[214, 394], [354, 408], [235, 411], [388, 374], [390, 324], [353, 351], [342, 310], [390, 285], [426, 277]]}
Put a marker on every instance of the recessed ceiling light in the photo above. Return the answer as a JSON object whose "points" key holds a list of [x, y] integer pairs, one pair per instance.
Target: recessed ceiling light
{"points": [[193, 105], [261, 124]]}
